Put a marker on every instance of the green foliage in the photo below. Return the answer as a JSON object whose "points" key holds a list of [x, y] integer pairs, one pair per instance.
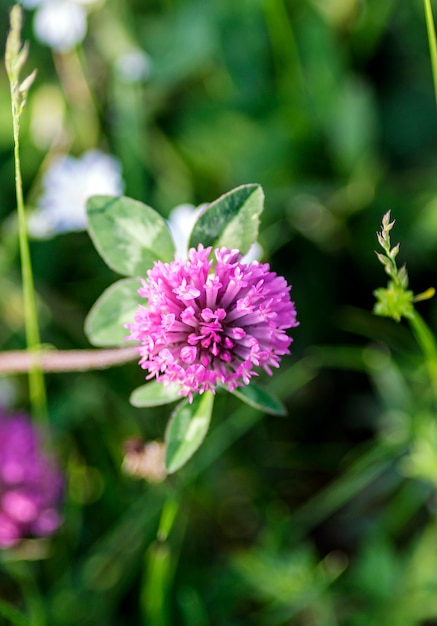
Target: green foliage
{"points": [[129, 235], [105, 324], [186, 430], [291, 583], [154, 394], [10, 613], [260, 399], [326, 517], [232, 221]]}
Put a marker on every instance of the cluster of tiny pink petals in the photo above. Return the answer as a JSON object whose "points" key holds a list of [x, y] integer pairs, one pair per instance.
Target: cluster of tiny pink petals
{"points": [[30, 483], [212, 321]]}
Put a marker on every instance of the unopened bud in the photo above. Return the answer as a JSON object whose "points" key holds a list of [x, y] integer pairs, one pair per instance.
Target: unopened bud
{"points": [[27, 83], [386, 224], [394, 251], [145, 460], [383, 259], [382, 239], [425, 295], [403, 277]]}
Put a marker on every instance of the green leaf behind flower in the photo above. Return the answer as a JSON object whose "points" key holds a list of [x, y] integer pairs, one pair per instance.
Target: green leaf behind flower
{"points": [[128, 234], [187, 429], [260, 399], [232, 221], [154, 393], [105, 323]]}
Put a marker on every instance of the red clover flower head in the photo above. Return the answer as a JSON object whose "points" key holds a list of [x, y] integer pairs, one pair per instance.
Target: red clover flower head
{"points": [[30, 484], [209, 323]]}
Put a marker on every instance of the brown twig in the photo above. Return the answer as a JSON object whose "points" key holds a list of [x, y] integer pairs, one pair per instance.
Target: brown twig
{"points": [[20, 361]]}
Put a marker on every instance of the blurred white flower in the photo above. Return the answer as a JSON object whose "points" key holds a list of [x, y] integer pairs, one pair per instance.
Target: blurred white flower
{"points": [[31, 4], [60, 24], [67, 185], [89, 2], [133, 66], [255, 253], [181, 221]]}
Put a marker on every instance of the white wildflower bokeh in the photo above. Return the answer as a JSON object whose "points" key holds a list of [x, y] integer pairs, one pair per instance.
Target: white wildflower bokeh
{"points": [[67, 185], [60, 24], [133, 66]]}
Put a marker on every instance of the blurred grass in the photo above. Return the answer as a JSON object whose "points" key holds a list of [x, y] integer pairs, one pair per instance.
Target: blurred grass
{"points": [[326, 516]]}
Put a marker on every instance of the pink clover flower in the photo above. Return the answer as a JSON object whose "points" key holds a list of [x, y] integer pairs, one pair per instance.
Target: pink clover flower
{"points": [[211, 321]]}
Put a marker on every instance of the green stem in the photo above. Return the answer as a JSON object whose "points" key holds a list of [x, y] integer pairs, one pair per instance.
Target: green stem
{"points": [[158, 569], [15, 57], [427, 343], [37, 391], [168, 517], [432, 41], [13, 615], [284, 47], [24, 575]]}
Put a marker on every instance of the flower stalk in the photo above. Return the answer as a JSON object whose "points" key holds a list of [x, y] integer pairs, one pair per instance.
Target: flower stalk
{"points": [[432, 42], [397, 301], [21, 361], [15, 58]]}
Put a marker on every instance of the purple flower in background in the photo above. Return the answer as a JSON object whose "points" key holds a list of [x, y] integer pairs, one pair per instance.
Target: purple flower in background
{"points": [[208, 323], [30, 483]]}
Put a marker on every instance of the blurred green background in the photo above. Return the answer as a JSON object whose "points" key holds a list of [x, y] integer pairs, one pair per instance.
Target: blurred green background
{"points": [[328, 516]]}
